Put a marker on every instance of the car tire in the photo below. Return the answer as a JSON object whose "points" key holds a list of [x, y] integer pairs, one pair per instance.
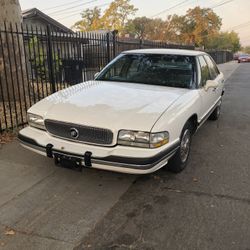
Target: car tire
{"points": [[216, 113], [179, 161]]}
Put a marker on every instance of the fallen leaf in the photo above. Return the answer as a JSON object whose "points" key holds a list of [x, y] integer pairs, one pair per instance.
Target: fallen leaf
{"points": [[178, 191], [156, 177], [10, 232], [195, 179], [6, 137]]}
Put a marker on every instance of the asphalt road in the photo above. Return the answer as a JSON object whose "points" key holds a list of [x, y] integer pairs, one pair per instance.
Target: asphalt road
{"points": [[205, 207]]}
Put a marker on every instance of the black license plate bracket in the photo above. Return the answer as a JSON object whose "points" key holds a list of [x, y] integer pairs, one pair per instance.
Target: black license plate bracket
{"points": [[70, 162]]}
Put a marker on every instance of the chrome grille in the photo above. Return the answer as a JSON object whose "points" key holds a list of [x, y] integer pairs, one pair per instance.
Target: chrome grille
{"points": [[79, 133]]}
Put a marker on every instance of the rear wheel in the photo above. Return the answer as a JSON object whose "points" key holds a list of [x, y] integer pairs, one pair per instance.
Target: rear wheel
{"points": [[179, 161]]}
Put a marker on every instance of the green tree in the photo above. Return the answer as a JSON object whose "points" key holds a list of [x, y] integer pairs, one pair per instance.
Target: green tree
{"points": [[139, 27], [195, 27], [147, 28], [224, 40], [117, 15], [198, 24], [175, 29], [90, 20], [157, 29], [246, 49]]}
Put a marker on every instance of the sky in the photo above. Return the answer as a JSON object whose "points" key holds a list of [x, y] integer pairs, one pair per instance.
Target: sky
{"points": [[235, 14]]}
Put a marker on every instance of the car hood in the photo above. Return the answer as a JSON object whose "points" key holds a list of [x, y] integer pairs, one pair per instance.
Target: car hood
{"points": [[111, 105]]}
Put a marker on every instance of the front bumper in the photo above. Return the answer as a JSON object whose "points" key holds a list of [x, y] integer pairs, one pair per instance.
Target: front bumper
{"points": [[118, 158]]}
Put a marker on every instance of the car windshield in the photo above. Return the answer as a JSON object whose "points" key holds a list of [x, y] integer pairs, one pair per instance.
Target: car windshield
{"points": [[154, 69], [244, 55]]}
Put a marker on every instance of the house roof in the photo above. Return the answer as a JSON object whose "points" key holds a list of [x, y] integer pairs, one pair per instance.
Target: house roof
{"points": [[34, 12]]}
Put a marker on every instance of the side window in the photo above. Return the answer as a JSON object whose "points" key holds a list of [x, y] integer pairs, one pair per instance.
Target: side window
{"points": [[212, 69], [117, 70], [205, 74], [215, 66]]}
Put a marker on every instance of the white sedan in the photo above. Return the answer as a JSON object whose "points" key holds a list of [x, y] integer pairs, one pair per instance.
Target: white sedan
{"points": [[137, 116]]}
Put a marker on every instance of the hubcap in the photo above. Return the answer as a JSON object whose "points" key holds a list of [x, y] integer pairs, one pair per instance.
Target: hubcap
{"points": [[185, 145], [218, 111]]}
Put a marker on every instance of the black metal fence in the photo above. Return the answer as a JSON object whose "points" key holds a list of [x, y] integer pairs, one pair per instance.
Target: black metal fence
{"points": [[221, 56], [36, 62]]}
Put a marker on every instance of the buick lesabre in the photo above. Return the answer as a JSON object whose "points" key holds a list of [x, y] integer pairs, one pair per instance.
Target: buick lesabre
{"points": [[137, 116]]}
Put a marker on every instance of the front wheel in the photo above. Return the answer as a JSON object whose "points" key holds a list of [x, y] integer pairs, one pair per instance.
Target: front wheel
{"points": [[216, 113], [179, 161]]}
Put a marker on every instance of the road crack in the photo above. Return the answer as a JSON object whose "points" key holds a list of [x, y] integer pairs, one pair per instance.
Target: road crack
{"points": [[211, 195]]}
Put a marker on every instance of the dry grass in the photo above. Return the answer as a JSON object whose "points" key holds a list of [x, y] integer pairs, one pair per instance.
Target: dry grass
{"points": [[6, 137]]}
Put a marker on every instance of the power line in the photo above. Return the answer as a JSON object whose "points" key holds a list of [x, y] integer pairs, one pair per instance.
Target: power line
{"points": [[189, 3], [173, 7], [183, 3], [240, 26], [221, 4], [73, 7], [215, 6], [246, 26], [61, 5], [75, 13]]}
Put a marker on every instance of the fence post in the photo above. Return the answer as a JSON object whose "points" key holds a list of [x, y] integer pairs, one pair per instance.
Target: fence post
{"points": [[108, 47], [141, 44], [114, 32], [50, 61]]}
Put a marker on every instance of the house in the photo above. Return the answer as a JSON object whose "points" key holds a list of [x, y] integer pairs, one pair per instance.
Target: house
{"points": [[36, 18], [75, 55]]}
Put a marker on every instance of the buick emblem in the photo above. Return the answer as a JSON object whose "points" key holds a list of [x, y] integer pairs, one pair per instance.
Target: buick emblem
{"points": [[74, 133]]}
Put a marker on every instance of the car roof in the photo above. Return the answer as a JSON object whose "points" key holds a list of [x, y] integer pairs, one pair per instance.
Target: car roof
{"points": [[183, 52]]}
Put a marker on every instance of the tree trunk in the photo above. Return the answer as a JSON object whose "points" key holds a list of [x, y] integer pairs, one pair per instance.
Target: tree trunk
{"points": [[13, 77]]}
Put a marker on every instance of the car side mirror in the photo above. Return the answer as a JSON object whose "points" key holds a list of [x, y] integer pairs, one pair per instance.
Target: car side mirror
{"points": [[211, 84], [96, 74]]}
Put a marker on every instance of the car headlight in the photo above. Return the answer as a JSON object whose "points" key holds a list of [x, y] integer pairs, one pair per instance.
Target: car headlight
{"points": [[142, 139], [36, 121]]}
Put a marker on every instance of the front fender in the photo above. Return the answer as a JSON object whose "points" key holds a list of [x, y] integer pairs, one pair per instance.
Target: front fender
{"points": [[175, 117]]}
